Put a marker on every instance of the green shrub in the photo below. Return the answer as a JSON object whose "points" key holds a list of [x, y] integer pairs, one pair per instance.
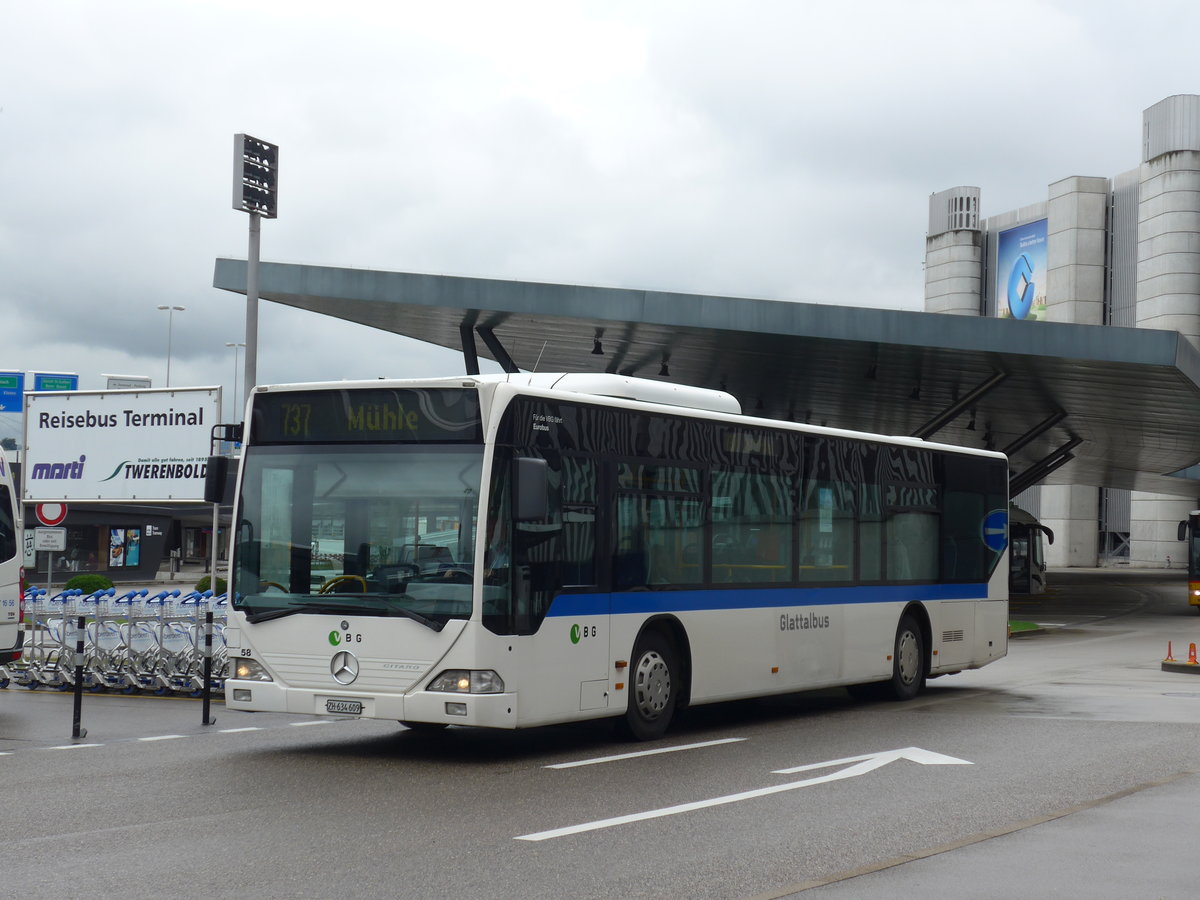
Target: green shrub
{"points": [[89, 584], [203, 583]]}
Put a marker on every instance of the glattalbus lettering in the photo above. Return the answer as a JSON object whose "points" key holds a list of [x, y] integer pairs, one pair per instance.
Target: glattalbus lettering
{"points": [[802, 622], [381, 417]]}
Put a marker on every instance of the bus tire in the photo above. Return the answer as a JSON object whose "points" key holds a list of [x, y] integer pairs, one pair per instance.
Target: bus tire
{"points": [[908, 661], [654, 683]]}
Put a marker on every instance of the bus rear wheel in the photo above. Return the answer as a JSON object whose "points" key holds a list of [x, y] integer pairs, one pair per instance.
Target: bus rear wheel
{"points": [[908, 661], [653, 688]]}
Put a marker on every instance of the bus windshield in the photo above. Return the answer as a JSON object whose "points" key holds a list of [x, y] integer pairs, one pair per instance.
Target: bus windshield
{"points": [[384, 530]]}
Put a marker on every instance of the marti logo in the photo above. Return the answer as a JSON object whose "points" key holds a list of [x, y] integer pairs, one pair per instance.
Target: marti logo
{"points": [[58, 471]]}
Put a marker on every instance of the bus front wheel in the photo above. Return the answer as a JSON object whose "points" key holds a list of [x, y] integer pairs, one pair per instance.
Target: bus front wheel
{"points": [[908, 661], [653, 688]]}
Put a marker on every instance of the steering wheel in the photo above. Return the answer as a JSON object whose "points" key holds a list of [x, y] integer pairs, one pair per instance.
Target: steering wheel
{"points": [[337, 580], [272, 584], [332, 582]]}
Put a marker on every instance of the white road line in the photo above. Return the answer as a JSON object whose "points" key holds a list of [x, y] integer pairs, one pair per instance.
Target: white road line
{"points": [[73, 746], [606, 759], [862, 765], [164, 737], [302, 724], [237, 730]]}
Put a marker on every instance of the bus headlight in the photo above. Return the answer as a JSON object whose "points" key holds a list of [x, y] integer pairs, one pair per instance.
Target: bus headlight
{"points": [[468, 681], [248, 669]]}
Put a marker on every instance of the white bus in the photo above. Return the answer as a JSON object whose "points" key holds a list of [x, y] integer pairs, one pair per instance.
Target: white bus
{"points": [[12, 575], [605, 546]]}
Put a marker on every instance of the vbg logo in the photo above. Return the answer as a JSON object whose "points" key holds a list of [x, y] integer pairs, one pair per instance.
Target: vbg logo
{"points": [[579, 632]]}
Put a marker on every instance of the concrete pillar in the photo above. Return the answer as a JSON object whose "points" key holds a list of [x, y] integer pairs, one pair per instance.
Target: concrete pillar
{"points": [[1168, 258], [1076, 233], [1153, 530], [954, 253], [1071, 512]]}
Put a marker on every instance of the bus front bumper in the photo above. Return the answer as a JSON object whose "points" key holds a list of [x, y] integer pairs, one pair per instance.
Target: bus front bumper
{"points": [[438, 707]]}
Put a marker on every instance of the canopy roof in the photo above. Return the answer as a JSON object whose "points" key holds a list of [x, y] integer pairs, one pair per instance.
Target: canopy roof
{"points": [[1070, 404]]}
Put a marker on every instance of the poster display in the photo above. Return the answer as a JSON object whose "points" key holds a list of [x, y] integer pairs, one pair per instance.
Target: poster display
{"points": [[1021, 272]]}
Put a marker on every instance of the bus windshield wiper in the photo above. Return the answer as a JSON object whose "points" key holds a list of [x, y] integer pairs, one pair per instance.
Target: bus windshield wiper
{"points": [[268, 614], [348, 608]]}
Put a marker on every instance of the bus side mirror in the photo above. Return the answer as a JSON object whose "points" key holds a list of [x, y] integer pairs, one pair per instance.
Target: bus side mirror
{"points": [[531, 489], [1182, 531], [216, 476]]}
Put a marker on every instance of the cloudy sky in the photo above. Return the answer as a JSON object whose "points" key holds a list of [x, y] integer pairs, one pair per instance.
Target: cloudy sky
{"points": [[760, 149]]}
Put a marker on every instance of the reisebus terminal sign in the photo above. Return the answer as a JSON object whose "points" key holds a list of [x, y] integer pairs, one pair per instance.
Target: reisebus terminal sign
{"points": [[141, 445]]}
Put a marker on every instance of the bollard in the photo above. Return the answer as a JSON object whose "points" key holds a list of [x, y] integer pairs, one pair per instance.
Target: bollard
{"points": [[1169, 658], [208, 635], [76, 731], [1192, 655]]}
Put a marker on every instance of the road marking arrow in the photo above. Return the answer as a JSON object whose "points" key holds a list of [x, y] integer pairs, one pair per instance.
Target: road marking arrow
{"points": [[875, 760], [856, 765]]}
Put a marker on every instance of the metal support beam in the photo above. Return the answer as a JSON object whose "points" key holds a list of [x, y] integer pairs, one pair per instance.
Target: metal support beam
{"points": [[1035, 432], [1043, 468], [470, 356], [952, 412], [498, 351]]}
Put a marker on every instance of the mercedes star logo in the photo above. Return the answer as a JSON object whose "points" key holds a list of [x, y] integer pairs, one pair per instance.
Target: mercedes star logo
{"points": [[344, 667]]}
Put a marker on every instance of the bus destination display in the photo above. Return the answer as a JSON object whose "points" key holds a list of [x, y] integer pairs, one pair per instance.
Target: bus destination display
{"points": [[354, 416]]}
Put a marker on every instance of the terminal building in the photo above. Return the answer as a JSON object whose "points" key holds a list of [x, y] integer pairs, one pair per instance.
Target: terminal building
{"points": [[1119, 251]]}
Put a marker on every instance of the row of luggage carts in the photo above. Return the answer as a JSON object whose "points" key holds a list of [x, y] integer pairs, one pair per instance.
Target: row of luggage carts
{"points": [[133, 642]]}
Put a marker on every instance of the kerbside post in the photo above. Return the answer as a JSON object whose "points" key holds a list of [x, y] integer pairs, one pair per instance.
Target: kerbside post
{"points": [[255, 191]]}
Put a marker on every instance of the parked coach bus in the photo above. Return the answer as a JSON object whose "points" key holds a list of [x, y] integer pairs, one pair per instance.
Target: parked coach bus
{"points": [[513, 551], [12, 603], [1189, 530], [1026, 552]]}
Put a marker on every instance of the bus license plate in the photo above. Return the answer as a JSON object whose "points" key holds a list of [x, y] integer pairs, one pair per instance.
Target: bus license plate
{"points": [[346, 707]]}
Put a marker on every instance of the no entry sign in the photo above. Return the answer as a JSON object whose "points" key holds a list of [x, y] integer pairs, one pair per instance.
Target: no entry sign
{"points": [[51, 514]]}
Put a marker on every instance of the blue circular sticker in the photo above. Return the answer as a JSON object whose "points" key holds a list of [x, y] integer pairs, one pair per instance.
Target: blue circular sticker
{"points": [[995, 530]]}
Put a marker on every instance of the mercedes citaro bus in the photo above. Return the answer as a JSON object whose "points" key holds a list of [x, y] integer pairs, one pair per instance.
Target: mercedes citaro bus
{"points": [[519, 550]]}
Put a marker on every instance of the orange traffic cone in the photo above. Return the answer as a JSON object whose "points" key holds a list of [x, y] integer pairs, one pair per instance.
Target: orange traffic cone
{"points": [[1192, 655], [1169, 657]]}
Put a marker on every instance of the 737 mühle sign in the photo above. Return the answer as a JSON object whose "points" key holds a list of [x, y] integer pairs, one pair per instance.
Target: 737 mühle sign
{"points": [[132, 445]]}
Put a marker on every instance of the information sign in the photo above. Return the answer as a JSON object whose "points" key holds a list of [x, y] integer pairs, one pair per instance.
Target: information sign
{"points": [[55, 381], [12, 386], [51, 539]]}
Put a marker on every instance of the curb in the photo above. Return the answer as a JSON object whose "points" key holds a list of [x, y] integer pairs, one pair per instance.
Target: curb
{"points": [[1185, 667]]}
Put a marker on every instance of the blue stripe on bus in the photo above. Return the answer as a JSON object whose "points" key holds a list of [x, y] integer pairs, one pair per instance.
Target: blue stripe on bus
{"points": [[756, 598]]}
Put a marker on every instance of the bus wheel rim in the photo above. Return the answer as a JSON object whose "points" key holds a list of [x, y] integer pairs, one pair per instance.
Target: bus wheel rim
{"points": [[653, 684], [907, 657]]}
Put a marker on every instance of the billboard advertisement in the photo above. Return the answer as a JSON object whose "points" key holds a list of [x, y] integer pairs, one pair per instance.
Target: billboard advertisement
{"points": [[1021, 272], [119, 446]]}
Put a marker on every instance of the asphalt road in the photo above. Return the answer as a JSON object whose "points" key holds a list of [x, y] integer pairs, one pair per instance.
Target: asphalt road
{"points": [[1066, 769]]}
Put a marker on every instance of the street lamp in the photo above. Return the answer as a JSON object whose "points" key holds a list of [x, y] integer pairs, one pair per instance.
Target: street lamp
{"points": [[171, 310], [236, 347]]}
